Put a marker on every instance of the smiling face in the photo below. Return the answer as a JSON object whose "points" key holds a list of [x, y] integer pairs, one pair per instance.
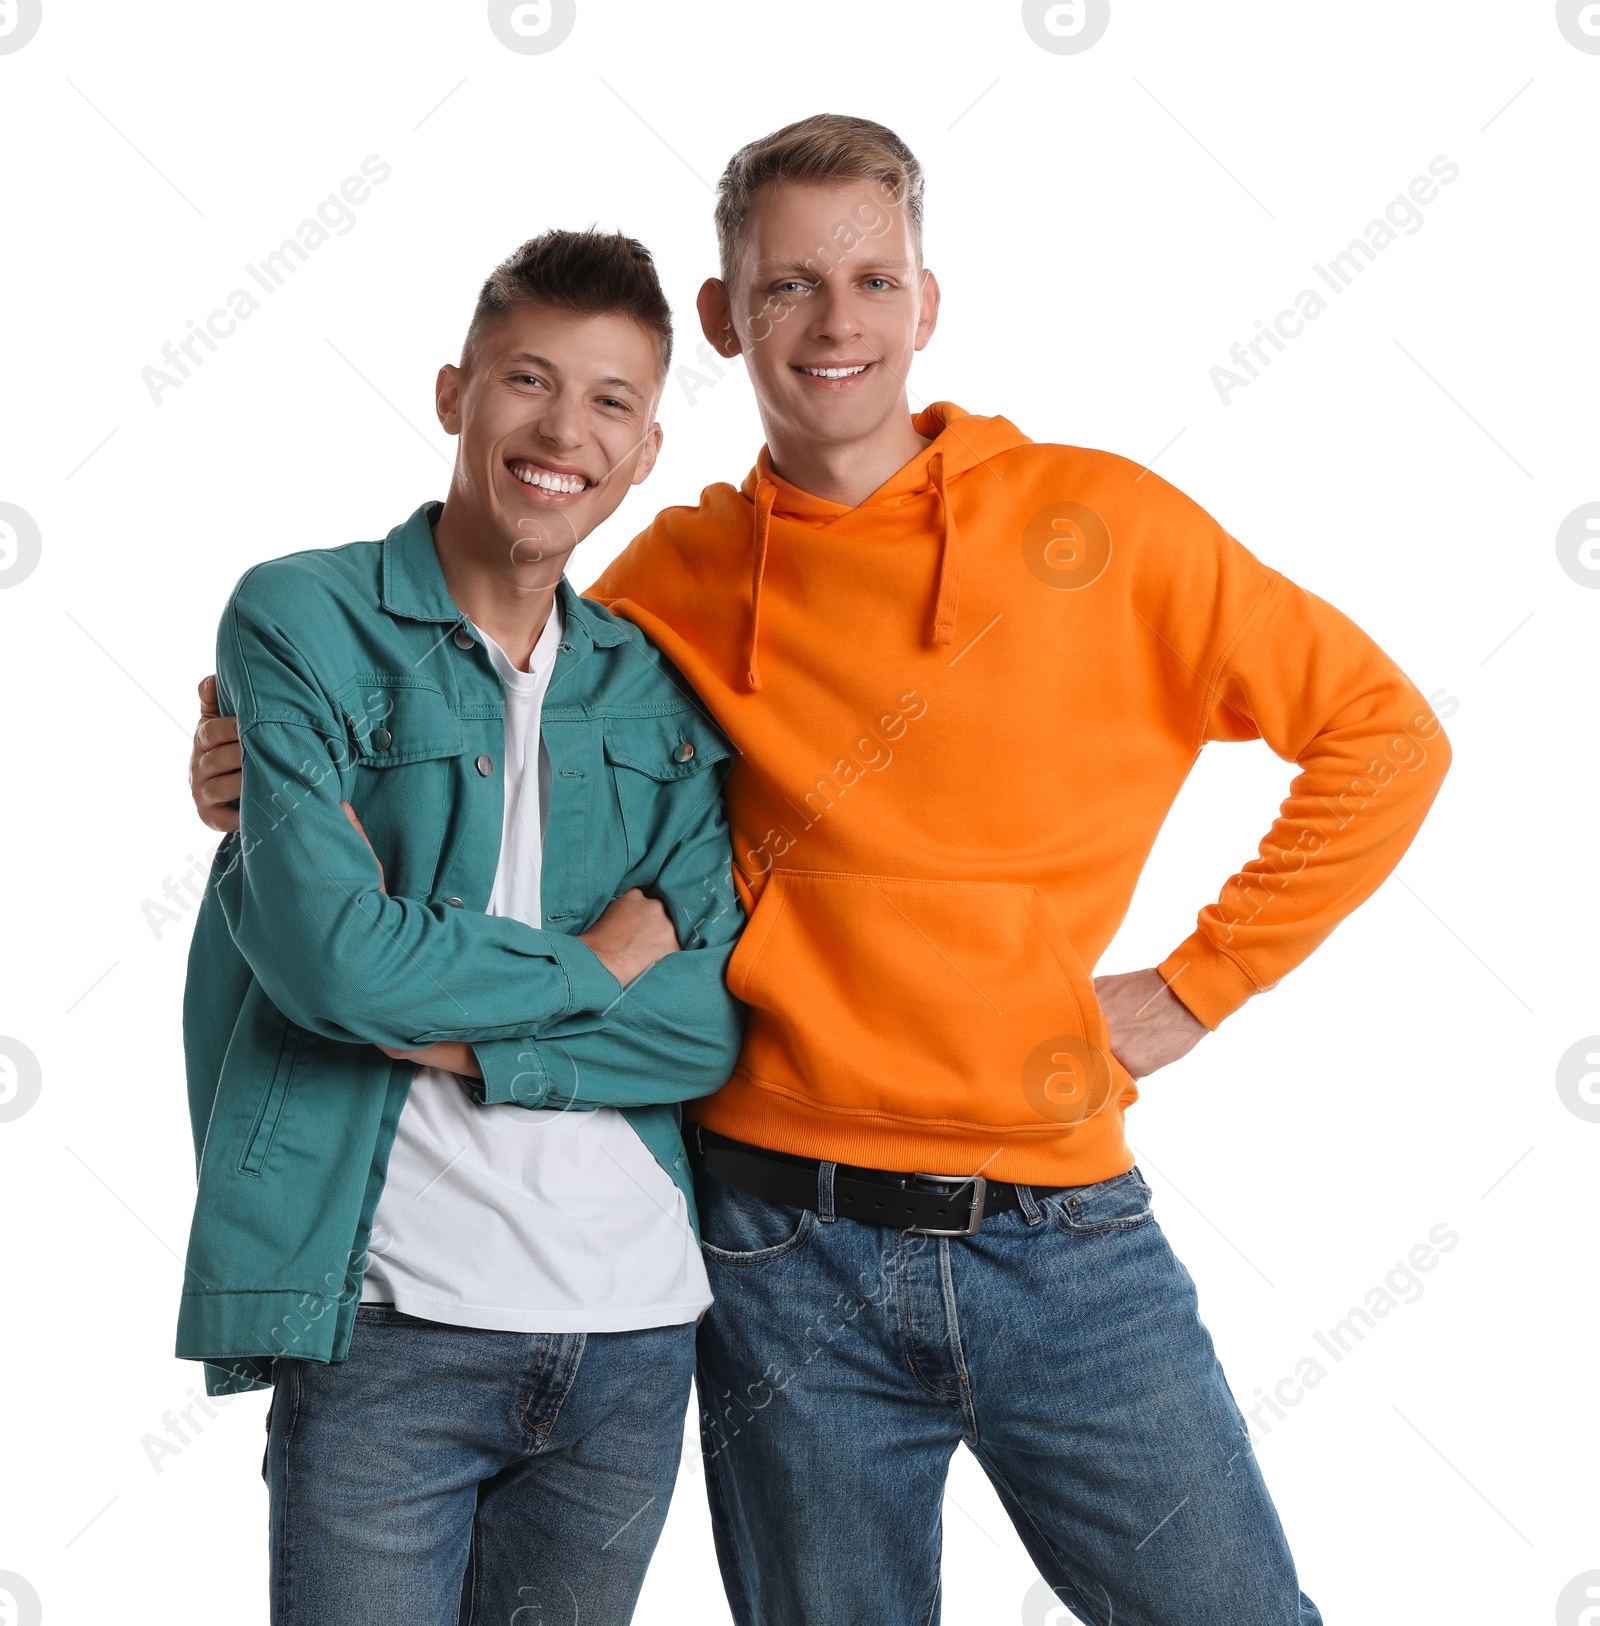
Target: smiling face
{"points": [[555, 414], [828, 302]]}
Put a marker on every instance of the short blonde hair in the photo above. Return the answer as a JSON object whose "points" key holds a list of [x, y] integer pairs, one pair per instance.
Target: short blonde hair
{"points": [[825, 147]]}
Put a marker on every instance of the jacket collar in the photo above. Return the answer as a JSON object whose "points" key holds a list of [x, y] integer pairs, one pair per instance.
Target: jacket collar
{"points": [[413, 586]]}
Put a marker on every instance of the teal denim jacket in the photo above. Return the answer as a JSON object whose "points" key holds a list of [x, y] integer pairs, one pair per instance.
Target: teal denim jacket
{"points": [[356, 679]]}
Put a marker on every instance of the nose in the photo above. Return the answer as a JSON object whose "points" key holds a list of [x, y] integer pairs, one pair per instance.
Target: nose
{"points": [[834, 316], [563, 424]]}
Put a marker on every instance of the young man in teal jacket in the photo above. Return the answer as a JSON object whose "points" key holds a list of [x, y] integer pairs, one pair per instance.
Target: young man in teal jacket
{"points": [[452, 977]]}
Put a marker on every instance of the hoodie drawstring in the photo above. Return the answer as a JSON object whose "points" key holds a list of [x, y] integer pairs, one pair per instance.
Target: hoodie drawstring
{"points": [[766, 495], [943, 629], [944, 605]]}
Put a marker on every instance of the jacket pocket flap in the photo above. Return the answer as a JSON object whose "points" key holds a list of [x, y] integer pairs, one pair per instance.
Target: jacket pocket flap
{"points": [[392, 721], [665, 748]]}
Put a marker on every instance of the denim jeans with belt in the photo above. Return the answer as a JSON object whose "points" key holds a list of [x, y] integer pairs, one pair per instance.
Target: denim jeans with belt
{"points": [[842, 1364], [446, 1475]]}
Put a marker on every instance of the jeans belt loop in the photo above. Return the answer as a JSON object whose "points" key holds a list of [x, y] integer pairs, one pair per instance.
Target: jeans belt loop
{"points": [[1029, 1204], [825, 1172]]}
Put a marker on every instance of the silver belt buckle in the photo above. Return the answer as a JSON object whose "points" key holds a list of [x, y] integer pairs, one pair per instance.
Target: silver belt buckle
{"points": [[980, 1191]]}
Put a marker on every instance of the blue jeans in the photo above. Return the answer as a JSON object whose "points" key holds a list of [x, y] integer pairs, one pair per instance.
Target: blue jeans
{"points": [[447, 1475], [842, 1364]]}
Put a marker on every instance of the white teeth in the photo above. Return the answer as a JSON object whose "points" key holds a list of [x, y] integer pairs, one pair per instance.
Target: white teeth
{"points": [[834, 372], [545, 480]]}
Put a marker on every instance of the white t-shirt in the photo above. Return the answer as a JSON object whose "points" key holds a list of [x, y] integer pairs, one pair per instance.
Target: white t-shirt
{"points": [[518, 1219]]}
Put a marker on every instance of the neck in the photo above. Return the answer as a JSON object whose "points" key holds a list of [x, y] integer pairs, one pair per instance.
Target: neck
{"points": [[845, 472], [508, 601]]}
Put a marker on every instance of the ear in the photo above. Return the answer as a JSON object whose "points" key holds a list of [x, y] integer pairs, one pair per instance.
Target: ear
{"points": [[648, 454], [447, 398], [716, 317], [928, 309]]}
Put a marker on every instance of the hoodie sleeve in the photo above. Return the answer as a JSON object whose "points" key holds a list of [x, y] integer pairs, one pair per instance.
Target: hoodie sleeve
{"points": [[1287, 668]]}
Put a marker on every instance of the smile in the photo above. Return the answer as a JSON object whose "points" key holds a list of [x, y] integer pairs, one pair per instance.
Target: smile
{"points": [[558, 482], [836, 372]]}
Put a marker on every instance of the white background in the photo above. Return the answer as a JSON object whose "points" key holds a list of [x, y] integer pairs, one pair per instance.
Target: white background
{"points": [[1105, 226]]}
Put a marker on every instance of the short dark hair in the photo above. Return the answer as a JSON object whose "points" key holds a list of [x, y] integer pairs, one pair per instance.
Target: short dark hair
{"points": [[588, 272], [827, 147]]}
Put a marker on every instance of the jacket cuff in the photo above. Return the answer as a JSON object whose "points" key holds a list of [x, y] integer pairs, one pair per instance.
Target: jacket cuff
{"points": [[1209, 982], [590, 987], [513, 1072]]}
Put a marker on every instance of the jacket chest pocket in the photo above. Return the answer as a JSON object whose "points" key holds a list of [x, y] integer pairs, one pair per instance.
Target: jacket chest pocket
{"points": [[404, 741], [390, 722], [647, 757]]}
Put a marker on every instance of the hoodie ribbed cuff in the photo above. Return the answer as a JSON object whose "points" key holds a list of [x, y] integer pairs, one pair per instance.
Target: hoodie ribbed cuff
{"points": [[1210, 983]]}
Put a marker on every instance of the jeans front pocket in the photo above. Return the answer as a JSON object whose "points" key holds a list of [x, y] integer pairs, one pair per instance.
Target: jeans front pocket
{"points": [[738, 1229], [1119, 1204]]}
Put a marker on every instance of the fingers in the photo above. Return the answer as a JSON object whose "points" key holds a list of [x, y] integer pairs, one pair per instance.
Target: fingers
{"points": [[217, 792], [350, 813], [223, 819], [227, 757], [208, 696], [215, 731]]}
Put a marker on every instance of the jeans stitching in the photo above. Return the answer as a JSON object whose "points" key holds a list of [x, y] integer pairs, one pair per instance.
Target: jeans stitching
{"points": [[474, 1589], [958, 1354], [938, 1572], [539, 1433], [908, 1339], [285, 1612], [736, 1258]]}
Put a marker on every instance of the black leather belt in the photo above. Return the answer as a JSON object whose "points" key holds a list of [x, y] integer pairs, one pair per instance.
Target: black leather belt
{"points": [[926, 1204]]}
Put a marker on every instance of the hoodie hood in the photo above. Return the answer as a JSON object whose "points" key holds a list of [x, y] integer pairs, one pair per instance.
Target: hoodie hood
{"points": [[960, 443]]}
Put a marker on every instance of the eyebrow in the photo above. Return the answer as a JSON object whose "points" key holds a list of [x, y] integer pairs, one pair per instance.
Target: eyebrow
{"points": [[772, 268], [526, 358]]}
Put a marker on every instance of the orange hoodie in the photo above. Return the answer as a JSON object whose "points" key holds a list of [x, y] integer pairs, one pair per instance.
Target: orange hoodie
{"points": [[963, 710]]}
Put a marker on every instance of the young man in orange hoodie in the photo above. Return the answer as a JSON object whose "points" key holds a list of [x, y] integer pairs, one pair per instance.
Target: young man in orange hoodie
{"points": [[967, 675]]}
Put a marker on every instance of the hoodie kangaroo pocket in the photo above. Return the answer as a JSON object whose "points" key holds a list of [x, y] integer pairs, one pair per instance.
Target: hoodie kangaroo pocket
{"points": [[943, 1002]]}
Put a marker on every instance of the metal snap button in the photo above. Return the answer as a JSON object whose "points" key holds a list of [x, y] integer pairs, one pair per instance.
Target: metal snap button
{"points": [[462, 638], [454, 903], [485, 765], [382, 739], [684, 751]]}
